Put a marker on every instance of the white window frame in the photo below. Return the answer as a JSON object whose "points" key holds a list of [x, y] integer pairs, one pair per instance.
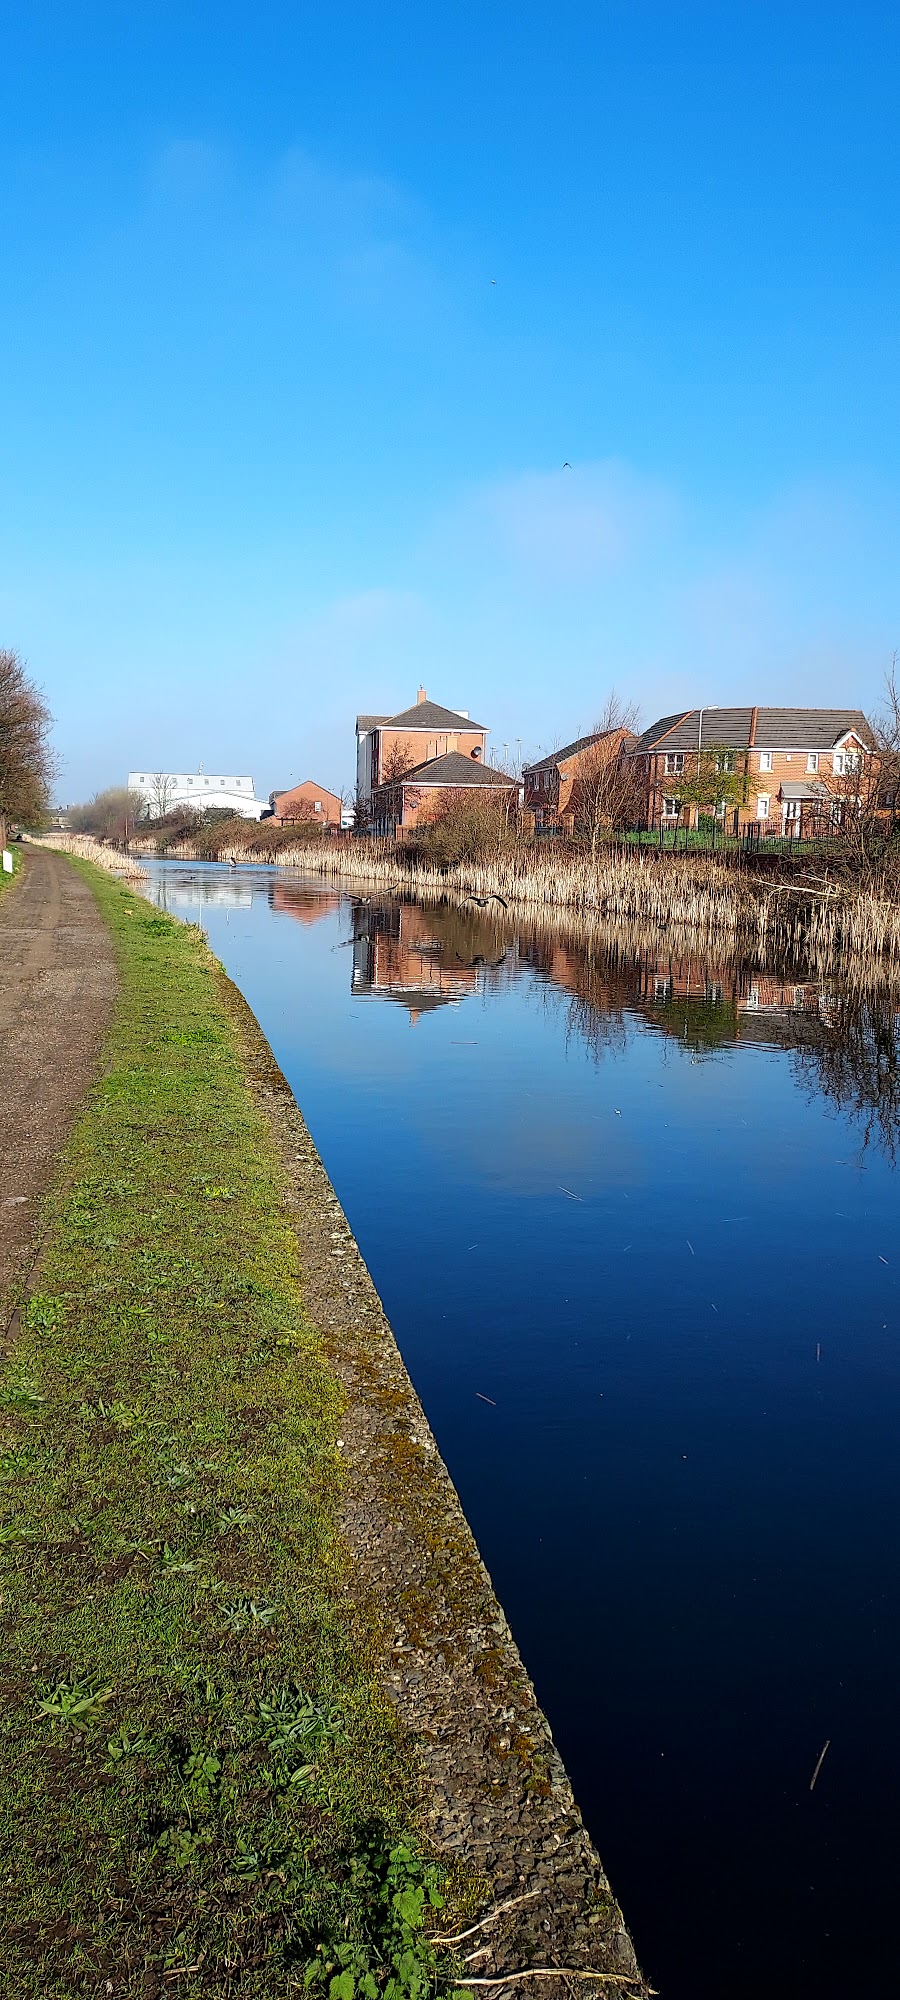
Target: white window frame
{"points": [[763, 802], [845, 762], [812, 761], [725, 762], [670, 808], [765, 760], [674, 763]]}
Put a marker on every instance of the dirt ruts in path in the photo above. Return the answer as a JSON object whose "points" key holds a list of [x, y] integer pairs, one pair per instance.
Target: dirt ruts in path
{"points": [[57, 981]]}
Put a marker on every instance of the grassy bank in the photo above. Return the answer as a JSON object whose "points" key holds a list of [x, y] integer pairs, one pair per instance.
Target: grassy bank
{"points": [[202, 1789], [7, 880]]}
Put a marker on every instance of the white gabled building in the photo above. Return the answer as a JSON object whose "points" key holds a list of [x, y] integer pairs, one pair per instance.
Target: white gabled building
{"points": [[165, 789]]}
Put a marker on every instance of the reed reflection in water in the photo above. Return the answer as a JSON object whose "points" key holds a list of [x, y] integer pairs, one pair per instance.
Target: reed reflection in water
{"points": [[644, 1199]]}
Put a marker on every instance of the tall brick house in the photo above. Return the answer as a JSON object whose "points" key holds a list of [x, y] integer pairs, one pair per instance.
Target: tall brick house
{"points": [[796, 763], [388, 745]]}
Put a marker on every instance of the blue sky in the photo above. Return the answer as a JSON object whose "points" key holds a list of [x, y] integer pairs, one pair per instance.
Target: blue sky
{"points": [[306, 306]]}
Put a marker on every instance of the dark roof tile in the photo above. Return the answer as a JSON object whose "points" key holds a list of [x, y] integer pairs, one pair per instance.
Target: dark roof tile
{"points": [[776, 729], [422, 715], [454, 769]]}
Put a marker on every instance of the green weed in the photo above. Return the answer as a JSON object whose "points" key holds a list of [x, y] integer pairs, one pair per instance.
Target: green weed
{"points": [[198, 1768]]}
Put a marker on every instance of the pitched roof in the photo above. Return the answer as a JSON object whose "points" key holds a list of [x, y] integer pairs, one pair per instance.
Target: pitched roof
{"points": [[776, 729], [422, 715], [454, 769], [555, 757], [287, 790]]}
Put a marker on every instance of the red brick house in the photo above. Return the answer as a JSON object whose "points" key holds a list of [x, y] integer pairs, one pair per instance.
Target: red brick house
{"points": [[795, 764], [306, 802], [551, 785], [411, 800], [387, 745]]}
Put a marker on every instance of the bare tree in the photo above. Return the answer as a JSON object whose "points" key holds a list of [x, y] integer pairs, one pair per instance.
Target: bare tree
{"points": [[27, 764], [887, 747], [162, 794], [398, 759], [608, 791]]}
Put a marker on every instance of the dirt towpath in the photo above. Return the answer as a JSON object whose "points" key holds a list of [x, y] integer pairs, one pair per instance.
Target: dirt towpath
{"points": [[57, 981]]}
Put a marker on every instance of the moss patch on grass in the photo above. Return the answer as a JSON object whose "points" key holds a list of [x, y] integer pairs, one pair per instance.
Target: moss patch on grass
{"points": [[202, 1786]]}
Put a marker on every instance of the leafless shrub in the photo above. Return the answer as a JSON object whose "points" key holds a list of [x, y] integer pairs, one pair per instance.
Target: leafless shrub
{"points": [[109, 815]]}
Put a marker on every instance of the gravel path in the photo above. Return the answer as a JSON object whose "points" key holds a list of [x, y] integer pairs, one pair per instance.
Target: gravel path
{"points": [[57, 981]]}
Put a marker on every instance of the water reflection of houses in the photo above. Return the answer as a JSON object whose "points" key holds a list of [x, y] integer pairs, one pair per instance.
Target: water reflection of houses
{"points": [[306, 906], [703, 1001], [424, 958], [700, 1001]]}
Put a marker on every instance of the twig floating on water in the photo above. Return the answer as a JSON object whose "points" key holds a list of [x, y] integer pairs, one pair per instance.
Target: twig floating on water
{"points": [[485, 1399], [690, 1246], [568, 1191], [820, 1762]]}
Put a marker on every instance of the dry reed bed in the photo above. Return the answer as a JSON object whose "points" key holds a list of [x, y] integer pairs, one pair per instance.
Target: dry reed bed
{"points": [[699, 897], [88, 849], [706, 903]]}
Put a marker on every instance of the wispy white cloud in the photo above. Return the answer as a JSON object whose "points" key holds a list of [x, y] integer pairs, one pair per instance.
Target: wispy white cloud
{"points": [[555, 527]]}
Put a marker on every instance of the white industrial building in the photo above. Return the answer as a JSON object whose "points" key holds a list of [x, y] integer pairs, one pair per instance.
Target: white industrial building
{"points": [[200, 789]]}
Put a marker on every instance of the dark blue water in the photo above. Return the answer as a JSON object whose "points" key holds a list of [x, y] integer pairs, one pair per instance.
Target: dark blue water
{"points": [[649, 1210]]}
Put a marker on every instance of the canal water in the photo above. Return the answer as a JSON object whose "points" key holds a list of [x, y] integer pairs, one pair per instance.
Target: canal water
{"points": [[634, 1220]]}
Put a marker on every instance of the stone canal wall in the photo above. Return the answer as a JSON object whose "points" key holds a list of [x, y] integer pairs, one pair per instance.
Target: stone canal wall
{"points": [[495, 1791]]}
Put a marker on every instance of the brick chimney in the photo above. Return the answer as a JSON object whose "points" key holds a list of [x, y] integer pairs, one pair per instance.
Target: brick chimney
{"points": [[421, 696]]}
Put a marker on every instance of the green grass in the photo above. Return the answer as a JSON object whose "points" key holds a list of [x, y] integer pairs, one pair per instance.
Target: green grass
{"points": [[6, 880], [202, 1789]]}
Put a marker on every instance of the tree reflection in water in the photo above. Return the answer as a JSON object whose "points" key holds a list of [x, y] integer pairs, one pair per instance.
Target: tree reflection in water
{"points": [[843, 1030]]}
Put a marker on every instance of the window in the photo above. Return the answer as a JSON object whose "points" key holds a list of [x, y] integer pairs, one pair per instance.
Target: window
{"points": [[670, 808], [725, 760], [845, 762], [812, 761], [765, 760], [317, 806], [762, 806], [674, 763], [662, 989]]}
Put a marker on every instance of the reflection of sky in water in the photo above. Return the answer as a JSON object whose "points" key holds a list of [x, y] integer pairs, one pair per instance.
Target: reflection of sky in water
{"points": [[630, 1200]]}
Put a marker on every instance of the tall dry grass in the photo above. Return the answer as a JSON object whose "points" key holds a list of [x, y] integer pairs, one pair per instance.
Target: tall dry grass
{"points": [[700, 898], [89, 849]]}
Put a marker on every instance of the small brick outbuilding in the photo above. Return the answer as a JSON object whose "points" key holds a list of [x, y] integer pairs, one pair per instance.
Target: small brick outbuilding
{"points": [[306, 802]]}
